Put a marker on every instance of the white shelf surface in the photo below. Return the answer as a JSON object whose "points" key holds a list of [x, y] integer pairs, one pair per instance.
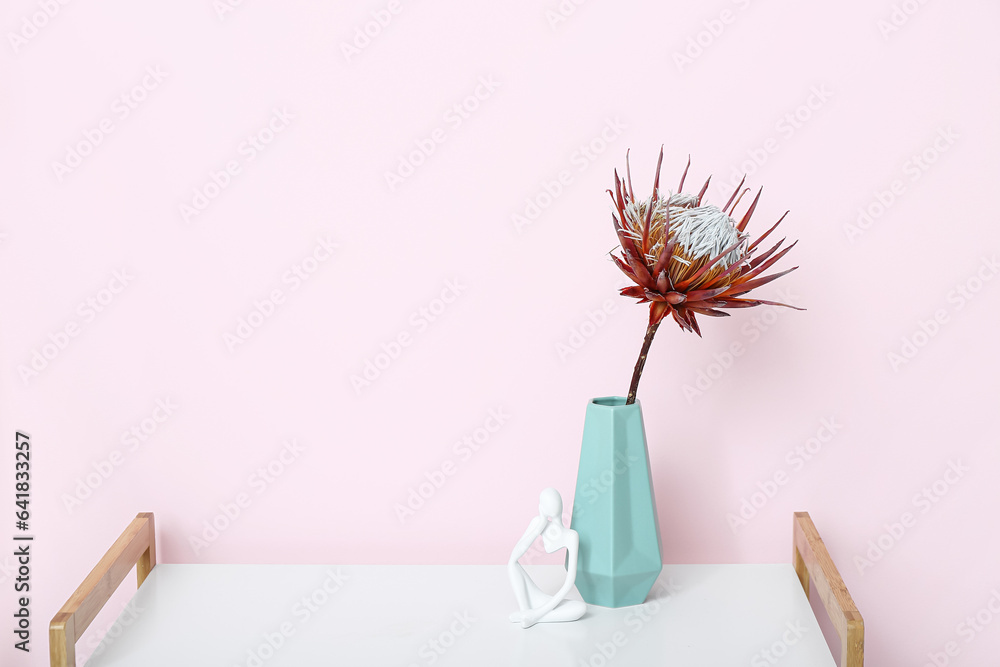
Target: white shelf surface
{"points": [[456, 615]]}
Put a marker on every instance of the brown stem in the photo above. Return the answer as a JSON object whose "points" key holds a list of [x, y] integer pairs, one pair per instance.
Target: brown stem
{"points": [[637, 373]]}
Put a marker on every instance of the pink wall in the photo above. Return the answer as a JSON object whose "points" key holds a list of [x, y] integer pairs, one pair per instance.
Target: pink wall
{"points": [[886, 107]]}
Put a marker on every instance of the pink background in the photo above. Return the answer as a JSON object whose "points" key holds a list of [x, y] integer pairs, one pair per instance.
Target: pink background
{"points": [[890, 108]]}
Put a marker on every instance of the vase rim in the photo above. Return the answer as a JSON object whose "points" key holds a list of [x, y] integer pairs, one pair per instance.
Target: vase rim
{"points": [[612, 402]]}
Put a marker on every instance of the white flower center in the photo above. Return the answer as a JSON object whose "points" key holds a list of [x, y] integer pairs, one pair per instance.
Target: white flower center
{"points": [[700, 231], [705, 231], [681, 199]]}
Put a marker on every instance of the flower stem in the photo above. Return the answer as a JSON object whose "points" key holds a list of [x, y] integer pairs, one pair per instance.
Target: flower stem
{"points": [[637, 373]]}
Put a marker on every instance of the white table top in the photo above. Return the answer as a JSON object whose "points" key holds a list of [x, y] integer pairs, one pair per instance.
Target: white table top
{"points": [[423, 615]]}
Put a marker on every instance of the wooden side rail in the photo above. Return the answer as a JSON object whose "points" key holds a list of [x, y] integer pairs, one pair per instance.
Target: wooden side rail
{"points": [[811, 559], [136, 546]]}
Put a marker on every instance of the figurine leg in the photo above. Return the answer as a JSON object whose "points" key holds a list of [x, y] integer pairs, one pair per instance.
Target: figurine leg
{"points": [[529, 595], [567, 610]]}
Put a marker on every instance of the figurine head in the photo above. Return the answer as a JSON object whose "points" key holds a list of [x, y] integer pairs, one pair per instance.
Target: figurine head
{"points": [[550, 504]]}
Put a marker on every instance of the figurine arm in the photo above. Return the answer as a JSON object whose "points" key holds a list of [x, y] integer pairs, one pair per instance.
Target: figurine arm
{"points": [[534, 529]]}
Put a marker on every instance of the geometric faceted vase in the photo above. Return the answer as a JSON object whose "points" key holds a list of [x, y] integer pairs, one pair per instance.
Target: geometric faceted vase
{"points": [[614, 510]]}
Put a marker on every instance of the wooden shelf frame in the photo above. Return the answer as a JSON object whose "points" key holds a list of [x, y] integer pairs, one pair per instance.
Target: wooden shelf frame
{"points": [[136, 546], [812, 561]]}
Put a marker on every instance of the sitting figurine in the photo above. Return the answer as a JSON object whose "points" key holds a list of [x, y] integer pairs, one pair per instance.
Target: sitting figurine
{"points": [[536, 606]]}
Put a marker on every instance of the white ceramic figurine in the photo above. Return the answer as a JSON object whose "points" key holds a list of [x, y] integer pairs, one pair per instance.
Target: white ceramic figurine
{"points": [[536, 606]]}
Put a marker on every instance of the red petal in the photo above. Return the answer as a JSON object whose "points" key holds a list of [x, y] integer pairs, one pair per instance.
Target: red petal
{"points": [[664, 259], [736, 303], [757, 260], [640, 270], [711, 312], [681, 320], [746, 216], [626, 269], [743, 288], [698, 295], [625, 240], [694, 322], [748, 303], [676, 297], [668, 246], [705, 269], [656, 179], [657, 311], [733, 267], [645, 225], [769, 263], [634, 291], [684, 175], [739, 199], [704, 189], [652, 203], [733, 196], [654, 296], [764, 235], [628, 245], [619, 201], [628, 174]]}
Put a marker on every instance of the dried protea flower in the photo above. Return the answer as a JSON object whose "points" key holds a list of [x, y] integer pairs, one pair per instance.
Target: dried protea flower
{"points": [[686, 258]]}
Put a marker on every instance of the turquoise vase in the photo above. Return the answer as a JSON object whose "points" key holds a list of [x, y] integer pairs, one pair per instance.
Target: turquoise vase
{"points": [[614, 510]]}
